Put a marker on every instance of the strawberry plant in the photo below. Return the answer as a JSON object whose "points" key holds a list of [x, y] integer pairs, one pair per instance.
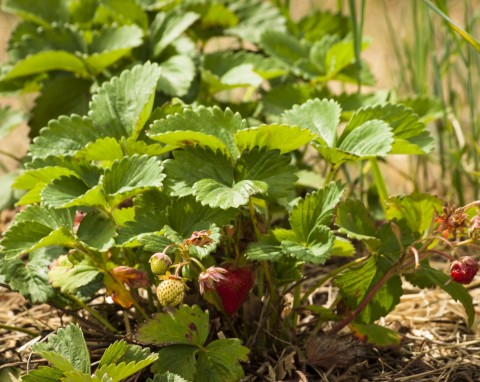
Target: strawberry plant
{"points": [[210, 211]]}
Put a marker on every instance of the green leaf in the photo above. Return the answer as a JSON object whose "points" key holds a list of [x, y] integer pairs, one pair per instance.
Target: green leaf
{"points": [[70, 344], [371, 139], [122, 106], [316, 249], [54, 38], [427, 277], [131, 176], [69, 277], [284, 47], [37, 227], [219, 361], [267, 248], [284, 97], [70, 191], [47, 61], [342, 248], [318, 23], [377, 335], [316, 209], [417, 209], [410, 135], [266, 168], [64, 136], [195, 164], [121, 360], [177, 359], [121, 12], [77, 376], [42, 12], [9, 120], [60, 96], [31, 278], [167, 27], [273, 137], [57, 360], [255, 17], [110, 44], [428, 109], [319, 116], [219, 195], [355, 283], [209, 127], [188, 325], [355, 221], [177, 74], [97, 231], [43, 374]]}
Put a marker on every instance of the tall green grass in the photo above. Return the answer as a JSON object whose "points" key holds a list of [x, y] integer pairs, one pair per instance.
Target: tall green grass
{"points": [[441, 59]]}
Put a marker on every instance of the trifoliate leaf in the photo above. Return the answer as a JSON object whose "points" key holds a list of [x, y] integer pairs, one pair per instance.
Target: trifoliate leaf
{"points": [[46, 61], [167, 27], [273, 137], [70, 344], [111, 44], [177, 74], [9, 120], [122, 106], [220, 361], [187, 325], [320, 116], [209, 127], [31, 278], [316, 209], [355, 283]]}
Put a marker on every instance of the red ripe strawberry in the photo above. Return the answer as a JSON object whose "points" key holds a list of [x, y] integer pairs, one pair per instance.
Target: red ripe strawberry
{"points": [[234, 288], [464, 271]]}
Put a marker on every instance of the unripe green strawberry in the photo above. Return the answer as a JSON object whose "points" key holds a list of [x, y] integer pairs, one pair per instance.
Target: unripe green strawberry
{"points": [[171, 291], [159, 263]]}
